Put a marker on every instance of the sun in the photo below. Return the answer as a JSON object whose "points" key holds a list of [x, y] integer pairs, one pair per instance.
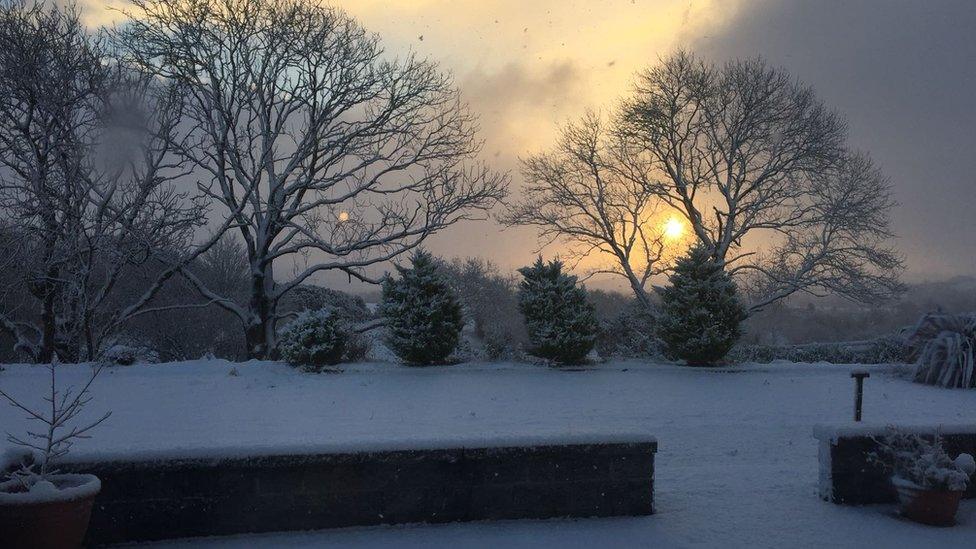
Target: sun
{"points": [[674, 228]]}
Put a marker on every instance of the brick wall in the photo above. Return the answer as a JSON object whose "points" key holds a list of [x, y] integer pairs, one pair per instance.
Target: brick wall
{"points": [[171, 498]]}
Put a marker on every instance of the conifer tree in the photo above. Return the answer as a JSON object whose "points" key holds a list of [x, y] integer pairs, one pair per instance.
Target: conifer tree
{"points": [[700, 311], [423, 314], [561, 323]]}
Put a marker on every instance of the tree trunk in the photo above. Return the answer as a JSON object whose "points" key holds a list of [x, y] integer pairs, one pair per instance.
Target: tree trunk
{"points": [[45, 348], [260, 331]]}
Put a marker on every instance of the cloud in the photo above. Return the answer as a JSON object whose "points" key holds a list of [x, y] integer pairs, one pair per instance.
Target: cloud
{"points": [[904, 74], [519, 107]]}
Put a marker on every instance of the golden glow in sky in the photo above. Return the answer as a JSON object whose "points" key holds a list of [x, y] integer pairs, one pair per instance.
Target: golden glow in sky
{"points": [[524, 67], [674, 228]]}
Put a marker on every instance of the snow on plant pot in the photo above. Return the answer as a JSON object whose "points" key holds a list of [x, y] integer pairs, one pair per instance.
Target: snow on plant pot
{"points": [[928, 482], [40, 507]]}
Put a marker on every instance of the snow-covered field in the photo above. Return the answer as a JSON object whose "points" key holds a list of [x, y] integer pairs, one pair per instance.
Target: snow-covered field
{"points": [[737, 465]]}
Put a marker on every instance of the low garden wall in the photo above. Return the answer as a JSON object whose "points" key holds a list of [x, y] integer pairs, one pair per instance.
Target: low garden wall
{"points": [[848, 476], [230, 492]]}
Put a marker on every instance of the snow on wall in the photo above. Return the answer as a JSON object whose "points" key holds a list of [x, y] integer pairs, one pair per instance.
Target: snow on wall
{"points": [[830, 433], [364, 446], [826, 476]]}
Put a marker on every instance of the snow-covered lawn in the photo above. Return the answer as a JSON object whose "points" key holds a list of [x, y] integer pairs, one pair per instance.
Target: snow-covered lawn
{"points": [[737, 465]]}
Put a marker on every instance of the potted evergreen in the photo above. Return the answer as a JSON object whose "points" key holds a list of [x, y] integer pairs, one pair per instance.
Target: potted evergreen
{"points": [[928, 482], [40, 507]]}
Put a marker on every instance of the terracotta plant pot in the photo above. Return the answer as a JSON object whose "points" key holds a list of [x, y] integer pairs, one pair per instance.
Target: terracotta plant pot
{"points": [[54, 520], [927, 506]]}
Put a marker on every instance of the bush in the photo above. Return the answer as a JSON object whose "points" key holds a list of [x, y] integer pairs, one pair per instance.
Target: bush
{"points": [[700, 311], [944, 350], [357, 347], [308, 297], [924, 463], [423, 314], [629, 334], [884, 350], [561, 323], [315, 339], [127, 354]]}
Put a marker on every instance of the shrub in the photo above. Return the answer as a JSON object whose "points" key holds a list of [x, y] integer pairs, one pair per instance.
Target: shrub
{"points": [[561, 323], [127, 354], [944, 350], [700, 310], [629, 334], [423, 315], [924, 463], [308, 297], [315, 339], [884, 350], [357, 347]]}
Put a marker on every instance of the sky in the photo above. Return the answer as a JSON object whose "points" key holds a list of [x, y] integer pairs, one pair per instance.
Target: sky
{"points": [[902, 73]]}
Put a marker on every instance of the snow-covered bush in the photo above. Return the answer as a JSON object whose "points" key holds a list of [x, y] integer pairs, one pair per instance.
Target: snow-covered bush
{"points": [[925, 463], [308, 297], [423, 315], [944, 350], [127, 354], [315, 339], [629, 334], [357, 347], [561, 323], [884, 350], [700, 311]]}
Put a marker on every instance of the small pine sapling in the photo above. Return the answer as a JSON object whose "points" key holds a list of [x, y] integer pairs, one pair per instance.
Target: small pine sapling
{"points": [[423, 314], [700, 311], [561, 323]]}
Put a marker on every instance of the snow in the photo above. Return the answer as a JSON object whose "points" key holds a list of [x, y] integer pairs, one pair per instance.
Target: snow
{"points": [[833, 432], [69, 487], [737, 463], [966, 463]]}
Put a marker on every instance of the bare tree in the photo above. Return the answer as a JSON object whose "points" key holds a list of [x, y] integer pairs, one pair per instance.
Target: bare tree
{"points": [[326, 154], [58, 434], [761, 170], [589, 193], [86, 171]]}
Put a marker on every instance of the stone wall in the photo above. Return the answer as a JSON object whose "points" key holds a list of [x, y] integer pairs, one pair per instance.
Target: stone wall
{"points": [[154, 499]]}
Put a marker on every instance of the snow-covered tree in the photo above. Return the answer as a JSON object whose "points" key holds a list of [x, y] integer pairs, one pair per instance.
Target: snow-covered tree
{"points": [[561, 323], [423, 315], [700, 312], [762, 172], [86, 185], [324, 152], [584, 193]]}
